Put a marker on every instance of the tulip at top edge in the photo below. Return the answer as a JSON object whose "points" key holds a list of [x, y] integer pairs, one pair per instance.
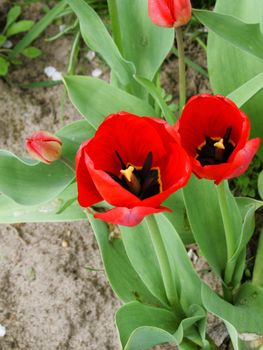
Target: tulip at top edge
{"points": [[170, 13]]}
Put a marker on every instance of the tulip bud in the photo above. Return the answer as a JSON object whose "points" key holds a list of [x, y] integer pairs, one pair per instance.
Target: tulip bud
{"points": [[170, 13], [44, 147]]}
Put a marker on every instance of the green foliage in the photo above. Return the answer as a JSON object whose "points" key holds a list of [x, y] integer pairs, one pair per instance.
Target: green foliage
{"points": [[246, 184], [240, 62]]}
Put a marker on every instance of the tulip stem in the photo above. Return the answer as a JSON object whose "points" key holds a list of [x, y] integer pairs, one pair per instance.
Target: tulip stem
{"points": [[163, 260], [182, 74], [115, 23], [228, 226], [258, 267]]}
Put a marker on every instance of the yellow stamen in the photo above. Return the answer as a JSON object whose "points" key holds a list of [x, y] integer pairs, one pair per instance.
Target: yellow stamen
{"points": [[220, 144], [127, 173]]}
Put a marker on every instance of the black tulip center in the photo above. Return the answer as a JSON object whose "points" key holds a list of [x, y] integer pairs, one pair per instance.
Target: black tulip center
{"points": [[215, 150], [144, 182]]}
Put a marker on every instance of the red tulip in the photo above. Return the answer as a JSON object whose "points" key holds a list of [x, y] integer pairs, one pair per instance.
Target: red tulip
{"points": [[133, 163], [215, 133], [44, 147], [170, 13]]}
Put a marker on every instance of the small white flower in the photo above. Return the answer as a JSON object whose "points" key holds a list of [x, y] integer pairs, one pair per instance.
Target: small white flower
{"points": [[8, 44], [96, 72], [49, 71], [90, 55], [2, 331], [56, 76], [52, 73], [62, 27]]}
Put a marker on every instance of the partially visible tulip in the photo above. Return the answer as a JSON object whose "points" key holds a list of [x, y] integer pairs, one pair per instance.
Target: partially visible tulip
{"points": [[44, 147], [170, 13], [215, 134]]}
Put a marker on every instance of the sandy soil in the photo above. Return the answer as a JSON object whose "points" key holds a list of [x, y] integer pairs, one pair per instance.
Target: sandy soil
{"points": [[48, 300]]}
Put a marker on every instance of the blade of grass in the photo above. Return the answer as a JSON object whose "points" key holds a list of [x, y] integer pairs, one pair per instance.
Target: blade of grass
{"points": [[38, 28], [192, 64]]}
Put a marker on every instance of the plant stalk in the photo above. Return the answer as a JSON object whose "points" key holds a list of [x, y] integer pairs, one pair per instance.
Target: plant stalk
{"points": [[258, 268], [163, 260], [227, 221], [182, 73], [115, 24]]}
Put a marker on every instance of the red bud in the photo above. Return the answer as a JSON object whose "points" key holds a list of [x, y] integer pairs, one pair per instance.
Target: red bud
{"points": [[44, 147], [170, 13]]}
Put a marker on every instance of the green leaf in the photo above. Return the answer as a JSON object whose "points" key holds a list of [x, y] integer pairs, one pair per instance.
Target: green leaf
{"points": [[19, 27], [245, 92], [2, 39], [12, 15], [260, 184], [38, 28], [140, 251], [98, 39], [144, 338], [124, 280], [4, 65], [30, 183], [148, 45], [87, 95], [178, 218], [135, 315], [205, 219], [11, 212], [153, 90], [73, 135], [244, 36], [247, 313], [32, 52], [185, 277], [235, 67]]}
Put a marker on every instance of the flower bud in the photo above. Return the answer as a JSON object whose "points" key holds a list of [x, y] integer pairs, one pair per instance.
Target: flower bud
{"points": [[44, 147], [170, 13]]}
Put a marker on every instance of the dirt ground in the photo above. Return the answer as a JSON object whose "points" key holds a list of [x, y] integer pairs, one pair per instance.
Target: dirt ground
{"points": [[48, 300]]}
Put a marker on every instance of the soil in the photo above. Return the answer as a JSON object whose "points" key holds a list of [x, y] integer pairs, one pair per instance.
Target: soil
{"points": [[48, 300]]}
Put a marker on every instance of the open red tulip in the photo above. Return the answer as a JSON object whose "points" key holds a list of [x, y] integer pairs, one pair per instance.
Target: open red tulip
{"points": [[170, 13], [215, 134], [133, 163], [44, 147]]}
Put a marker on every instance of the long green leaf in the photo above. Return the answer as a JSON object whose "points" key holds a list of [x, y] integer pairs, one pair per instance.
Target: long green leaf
{"points": [[30, 183], [11, 212], [244, 36], [134, 315], [144, 338], [95, 99], [148, 45], [152, 89], [98, 39], [206, 222], [248, 90], [140, 250], [247, 313], [124, 280]]}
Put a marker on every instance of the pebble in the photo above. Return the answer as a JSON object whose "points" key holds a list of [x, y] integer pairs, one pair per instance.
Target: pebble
{"points": [[96, 73], [2, 331]]}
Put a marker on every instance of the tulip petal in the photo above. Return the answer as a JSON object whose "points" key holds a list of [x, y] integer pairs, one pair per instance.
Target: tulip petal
{"points": [[244, 157], [128, 217], [160, 13], [87, 192]]}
